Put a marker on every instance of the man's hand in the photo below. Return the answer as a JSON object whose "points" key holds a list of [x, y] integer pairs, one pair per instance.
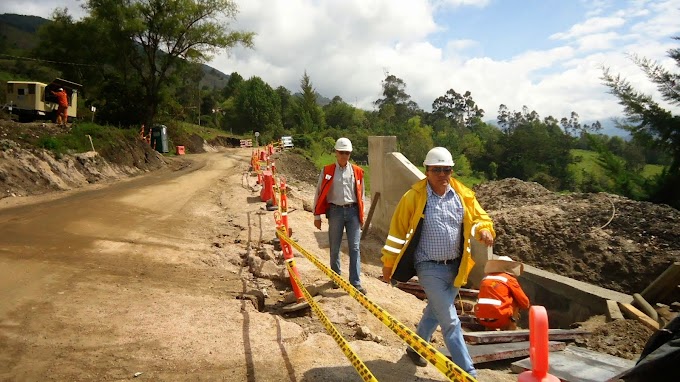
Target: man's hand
{"points": [[486, 238], [387, 274], [317, 224]]}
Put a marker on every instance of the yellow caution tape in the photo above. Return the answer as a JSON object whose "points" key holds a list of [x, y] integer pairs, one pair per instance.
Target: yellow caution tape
{"points": [[422, 347], [360, 367]]}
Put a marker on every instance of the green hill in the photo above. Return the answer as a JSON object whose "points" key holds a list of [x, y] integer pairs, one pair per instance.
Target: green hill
{"points": [[586, 162]]}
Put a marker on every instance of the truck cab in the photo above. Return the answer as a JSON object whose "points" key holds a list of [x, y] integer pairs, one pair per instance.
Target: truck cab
{"points": [[287, 142]]}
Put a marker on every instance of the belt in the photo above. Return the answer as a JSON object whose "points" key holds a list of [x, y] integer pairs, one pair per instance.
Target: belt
{"points": [[487, 319], [348, 205], [447, 261]]}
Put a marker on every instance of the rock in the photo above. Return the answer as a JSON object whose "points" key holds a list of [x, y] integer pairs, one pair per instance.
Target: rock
{"points": [[363, 332]]}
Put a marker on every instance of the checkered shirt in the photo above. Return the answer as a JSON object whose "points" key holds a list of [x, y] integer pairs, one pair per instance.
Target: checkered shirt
{"points": [[440, 236]]}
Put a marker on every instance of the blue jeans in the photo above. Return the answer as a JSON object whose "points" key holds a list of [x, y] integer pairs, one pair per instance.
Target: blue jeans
{"points": [[339, 220], [437, 281]]}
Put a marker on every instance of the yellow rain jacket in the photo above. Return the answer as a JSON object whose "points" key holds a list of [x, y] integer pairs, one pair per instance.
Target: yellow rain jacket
{"points": [[406, 226]]}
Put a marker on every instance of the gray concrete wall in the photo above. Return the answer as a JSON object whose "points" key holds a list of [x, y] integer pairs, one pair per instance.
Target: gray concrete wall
{"points": [[391, 175], [566, 300]]}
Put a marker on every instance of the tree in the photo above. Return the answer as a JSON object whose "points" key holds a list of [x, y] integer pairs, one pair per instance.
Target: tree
{"points": [[416, 140], [258, 108], [232, 85], [153, 36], [649, 122], [339, 114], [535, 150], [311, 115], [396, 102], [461, 109]]}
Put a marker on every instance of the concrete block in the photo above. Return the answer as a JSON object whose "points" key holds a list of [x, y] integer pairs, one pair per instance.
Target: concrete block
{"points": [[613, 311]]}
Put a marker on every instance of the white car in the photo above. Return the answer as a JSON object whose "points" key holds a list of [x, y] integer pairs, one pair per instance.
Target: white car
{"points": [[287, 142]]}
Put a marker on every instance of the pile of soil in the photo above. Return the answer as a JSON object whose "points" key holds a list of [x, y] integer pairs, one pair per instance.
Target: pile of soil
{"points": [[620, 338], [296, 167], [26, 169], [602, 239]]}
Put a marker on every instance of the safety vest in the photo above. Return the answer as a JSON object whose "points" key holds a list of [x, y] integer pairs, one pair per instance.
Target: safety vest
{"points": [[499, 293], [328, 173]]}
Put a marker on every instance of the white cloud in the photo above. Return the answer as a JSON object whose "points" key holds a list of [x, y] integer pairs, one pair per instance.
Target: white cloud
{"points": [[346, 48], [42, 8], [592, 25], [462, 3]]}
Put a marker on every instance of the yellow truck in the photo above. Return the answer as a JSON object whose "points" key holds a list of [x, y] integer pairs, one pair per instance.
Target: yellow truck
{"points": [[32, 100]]}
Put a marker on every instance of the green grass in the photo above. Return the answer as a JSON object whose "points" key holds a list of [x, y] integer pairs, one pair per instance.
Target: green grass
{"points": [[586, 161], [206, 133], [651, 170], [76, 140]]}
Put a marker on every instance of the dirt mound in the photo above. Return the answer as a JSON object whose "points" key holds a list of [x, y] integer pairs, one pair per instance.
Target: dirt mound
{"points": [[27, 170], [296, 166], [225, 141], [602, 239], [620, 338]]}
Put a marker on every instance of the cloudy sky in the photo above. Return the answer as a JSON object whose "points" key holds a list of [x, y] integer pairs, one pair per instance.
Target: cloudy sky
{"points": [[545, 54]]}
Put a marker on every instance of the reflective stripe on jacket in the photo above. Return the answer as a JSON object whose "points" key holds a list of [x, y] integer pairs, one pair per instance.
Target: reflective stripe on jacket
{"points": [[499, 293], [328, 173], [406, 226]]}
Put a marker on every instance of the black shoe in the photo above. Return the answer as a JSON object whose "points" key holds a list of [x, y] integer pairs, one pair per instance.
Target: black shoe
{"points": [[416, 358], [362, 290]]}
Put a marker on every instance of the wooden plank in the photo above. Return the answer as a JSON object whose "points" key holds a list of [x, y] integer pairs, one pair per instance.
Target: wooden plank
{"points": [[630, 311], [414, 285], [495, 352], [663, 285], [367, 223], [579, 364], [500, 336], [613, 311]]}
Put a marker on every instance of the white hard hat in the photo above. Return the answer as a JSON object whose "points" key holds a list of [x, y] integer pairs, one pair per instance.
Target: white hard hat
{"points": [[343, 144], [504, 264], [61, 89], [438, 156]]}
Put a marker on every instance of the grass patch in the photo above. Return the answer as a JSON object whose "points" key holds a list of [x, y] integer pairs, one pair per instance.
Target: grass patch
{"points": [[206, 133], [77, 140], [652, 170], [586, 162]]}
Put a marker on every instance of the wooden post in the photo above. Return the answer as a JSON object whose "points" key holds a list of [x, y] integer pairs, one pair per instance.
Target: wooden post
{"points": [[374, 203], [663, 285]]}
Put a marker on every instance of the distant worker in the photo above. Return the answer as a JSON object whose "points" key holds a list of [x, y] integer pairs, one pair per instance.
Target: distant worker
{"points": [[500, 295], [340, 196], [430, 236], [62, 110]]}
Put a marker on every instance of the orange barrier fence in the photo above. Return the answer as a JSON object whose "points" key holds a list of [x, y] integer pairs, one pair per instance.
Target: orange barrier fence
{"points": [[281, 219]]}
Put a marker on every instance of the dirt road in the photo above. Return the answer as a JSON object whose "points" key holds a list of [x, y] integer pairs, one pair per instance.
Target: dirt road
{"points": [[142, 277]]}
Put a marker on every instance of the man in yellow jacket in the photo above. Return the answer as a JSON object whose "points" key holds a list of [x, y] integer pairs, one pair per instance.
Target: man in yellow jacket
{"points": [[430, 237]]}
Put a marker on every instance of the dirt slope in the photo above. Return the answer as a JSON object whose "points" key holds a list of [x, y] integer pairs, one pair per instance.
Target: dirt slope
{"points": [[602, 239]]}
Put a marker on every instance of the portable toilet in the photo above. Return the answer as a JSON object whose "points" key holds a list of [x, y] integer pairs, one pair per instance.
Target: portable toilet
{"points": [[159, 138]]}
